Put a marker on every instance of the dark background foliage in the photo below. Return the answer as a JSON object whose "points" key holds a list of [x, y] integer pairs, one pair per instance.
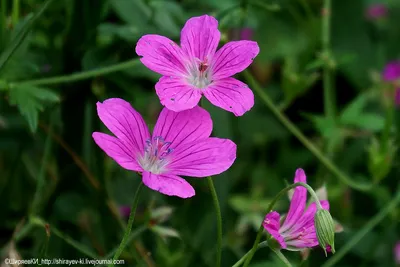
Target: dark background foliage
{"points": [[54, 177]]}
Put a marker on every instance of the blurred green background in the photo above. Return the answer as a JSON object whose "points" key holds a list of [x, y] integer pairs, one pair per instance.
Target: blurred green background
{"points": [[60, 192]]}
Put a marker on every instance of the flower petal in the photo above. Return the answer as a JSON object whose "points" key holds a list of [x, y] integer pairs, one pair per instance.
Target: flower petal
{"points": [[233, 58], [298, 202], [203, 158], [271, 225], [391, 71], [176, 95], [125, 122], [230, 94], [306, 240], [160, 54], [307, 219], [185, 127], [168, 184], [117, 150], [200, 37]]}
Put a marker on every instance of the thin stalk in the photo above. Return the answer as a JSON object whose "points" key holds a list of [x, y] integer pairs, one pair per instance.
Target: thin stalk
{"points": [[388, 126], [363, 231], [241, 260], [15, 12], [282, 257], [41, 180], [329, 100], [128, 227], [270, 207], [219, 220], [3, 21], [81, 75], [81, 248], [304, 140]]}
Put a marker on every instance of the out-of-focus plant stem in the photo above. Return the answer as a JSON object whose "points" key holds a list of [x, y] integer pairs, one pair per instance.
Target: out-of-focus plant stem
{"points": [[241, 260], [219, 220], [15, 12], [36, 221], [82, 75], [388, 126], [270, 207], [304, 140], [129, 225], [282, 257], [329, 98], [3, 19], [393, 204], [41, 179]]}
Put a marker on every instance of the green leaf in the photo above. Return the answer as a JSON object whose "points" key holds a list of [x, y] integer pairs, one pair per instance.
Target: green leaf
{"points": [[165, 231], [20, 36], [135, 12], [370, 121], [30, 100], [352, 112]]}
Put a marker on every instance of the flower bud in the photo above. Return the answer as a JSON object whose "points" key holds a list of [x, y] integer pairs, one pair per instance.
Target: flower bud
{"points": [[325, 229]]}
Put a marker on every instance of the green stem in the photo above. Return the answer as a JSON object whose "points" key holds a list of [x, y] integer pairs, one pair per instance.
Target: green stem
{"points": [[20, 36], [271, 206], [219, 220], [41, 180], [329, 100], [15, 12], [388, 126], [365, 230], [282, 257], [3, 21], [241, 260], [36, 221], [82, 75], [128, 227], [308, 144]]}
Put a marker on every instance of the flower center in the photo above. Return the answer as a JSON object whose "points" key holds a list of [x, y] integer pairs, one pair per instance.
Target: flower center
{"points": [[200, 74], [155, 157]]}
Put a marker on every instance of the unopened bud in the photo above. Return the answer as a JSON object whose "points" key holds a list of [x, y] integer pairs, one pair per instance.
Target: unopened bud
{"points": [[325, 229]]}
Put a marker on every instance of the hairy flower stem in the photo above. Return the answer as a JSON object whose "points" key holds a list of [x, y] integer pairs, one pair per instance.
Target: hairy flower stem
{"points": [[392, 205], [282, 257], [329, 99], [219, 220], [270, 207], [361, 186], [129, 226]]}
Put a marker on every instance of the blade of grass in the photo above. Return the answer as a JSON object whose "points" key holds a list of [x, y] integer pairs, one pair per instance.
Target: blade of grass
{"points": [[9, 51]]}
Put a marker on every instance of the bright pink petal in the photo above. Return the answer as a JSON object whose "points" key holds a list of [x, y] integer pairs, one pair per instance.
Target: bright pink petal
{"points": [[200, 37], [230, 94], [117, 150], [160, 54], [176, 95], [298, 203], [271, 225], [305, 240], [168, 184], [307, 219], [125, 122], [185, 127], [203, 158], [233, 58]]}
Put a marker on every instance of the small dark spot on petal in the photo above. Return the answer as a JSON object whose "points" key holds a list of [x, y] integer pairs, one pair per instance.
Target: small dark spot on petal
{"points": [[172, 99], [252, 58], [230, 106]]}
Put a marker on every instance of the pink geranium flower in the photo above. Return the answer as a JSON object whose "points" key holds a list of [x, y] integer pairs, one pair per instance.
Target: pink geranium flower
{"points": [[391, 74], [297, 231], [180, 145], [376, 11], [196, 68]]}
